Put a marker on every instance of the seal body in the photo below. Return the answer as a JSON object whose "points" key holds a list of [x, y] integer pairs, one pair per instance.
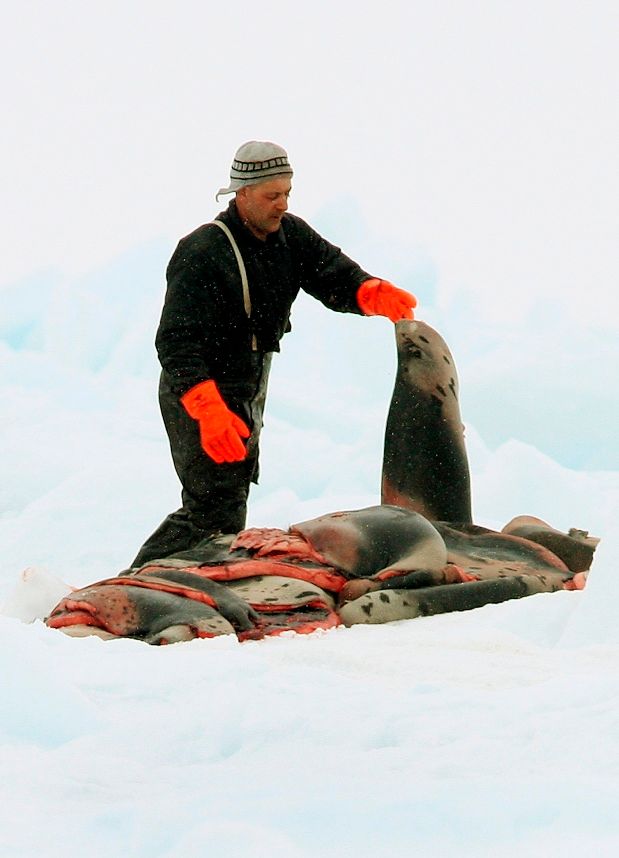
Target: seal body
{"points": [[425, 466]]}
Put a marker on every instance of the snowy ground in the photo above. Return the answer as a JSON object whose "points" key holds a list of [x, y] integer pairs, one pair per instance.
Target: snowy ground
{"points": [[474, 734]]}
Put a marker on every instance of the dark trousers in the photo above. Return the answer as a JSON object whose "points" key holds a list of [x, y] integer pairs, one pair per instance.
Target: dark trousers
{"points": [[214, 497]]}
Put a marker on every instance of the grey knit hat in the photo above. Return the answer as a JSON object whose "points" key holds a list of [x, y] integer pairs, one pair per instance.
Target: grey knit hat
{"points": [[256, 162]]}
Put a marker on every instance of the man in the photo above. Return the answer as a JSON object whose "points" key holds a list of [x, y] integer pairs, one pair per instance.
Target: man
{"points": [[231, 285]]}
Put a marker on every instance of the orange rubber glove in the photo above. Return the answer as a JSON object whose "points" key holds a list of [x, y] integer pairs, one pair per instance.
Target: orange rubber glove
{"points": [[381, 298], [220, 429]]}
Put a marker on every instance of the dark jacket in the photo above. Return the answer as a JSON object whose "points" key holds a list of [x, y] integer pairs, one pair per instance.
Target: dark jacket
{"points": [[204, 331]]}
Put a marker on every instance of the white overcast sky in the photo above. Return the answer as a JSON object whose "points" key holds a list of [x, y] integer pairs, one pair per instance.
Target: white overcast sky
{"points": [[483, 133]]}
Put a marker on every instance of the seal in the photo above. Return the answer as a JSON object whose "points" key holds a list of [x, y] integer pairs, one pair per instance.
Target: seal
{"points": [[425, 466]]}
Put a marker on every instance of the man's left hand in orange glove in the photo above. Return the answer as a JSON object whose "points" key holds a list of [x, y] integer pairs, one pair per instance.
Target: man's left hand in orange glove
{"points": [[381, 298]]}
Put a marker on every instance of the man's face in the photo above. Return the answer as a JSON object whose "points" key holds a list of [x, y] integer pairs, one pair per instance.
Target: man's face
{"points": [[262, 206]]}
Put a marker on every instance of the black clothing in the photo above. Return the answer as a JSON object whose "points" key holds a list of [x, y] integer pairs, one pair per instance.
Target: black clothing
{"points": [[204, 331]]}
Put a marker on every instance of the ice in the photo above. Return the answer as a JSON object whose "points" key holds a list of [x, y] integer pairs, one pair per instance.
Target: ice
{"points": [[34, 595]]}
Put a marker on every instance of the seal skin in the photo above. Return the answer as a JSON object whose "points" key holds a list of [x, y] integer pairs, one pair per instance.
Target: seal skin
{"points": [[374, 540], [163, 607], [575, 548], [425, 466], [398, 604], [415, 555]]}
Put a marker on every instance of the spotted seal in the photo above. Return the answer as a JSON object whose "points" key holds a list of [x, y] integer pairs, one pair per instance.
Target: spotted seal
{"points": [[425, 465]]}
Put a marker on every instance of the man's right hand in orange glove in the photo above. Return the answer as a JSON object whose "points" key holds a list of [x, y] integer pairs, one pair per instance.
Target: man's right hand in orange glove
{"points": [[221, 430], [381, 298]]}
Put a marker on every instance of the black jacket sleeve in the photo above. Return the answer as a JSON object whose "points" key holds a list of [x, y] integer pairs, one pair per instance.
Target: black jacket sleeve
{"points": [[325, 272]]}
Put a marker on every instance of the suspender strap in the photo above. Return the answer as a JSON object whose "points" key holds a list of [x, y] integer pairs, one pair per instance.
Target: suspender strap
{"points": [[243, 272]]}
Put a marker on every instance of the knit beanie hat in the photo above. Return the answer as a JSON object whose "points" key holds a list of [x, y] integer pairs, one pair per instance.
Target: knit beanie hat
{"points": [[256, 162]]}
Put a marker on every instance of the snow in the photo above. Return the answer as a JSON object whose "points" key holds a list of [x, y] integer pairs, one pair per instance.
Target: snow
{"points": [[474, 733], [491, 732]]}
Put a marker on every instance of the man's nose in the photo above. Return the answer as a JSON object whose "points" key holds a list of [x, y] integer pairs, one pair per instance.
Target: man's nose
{"points": [[282, 204]]}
